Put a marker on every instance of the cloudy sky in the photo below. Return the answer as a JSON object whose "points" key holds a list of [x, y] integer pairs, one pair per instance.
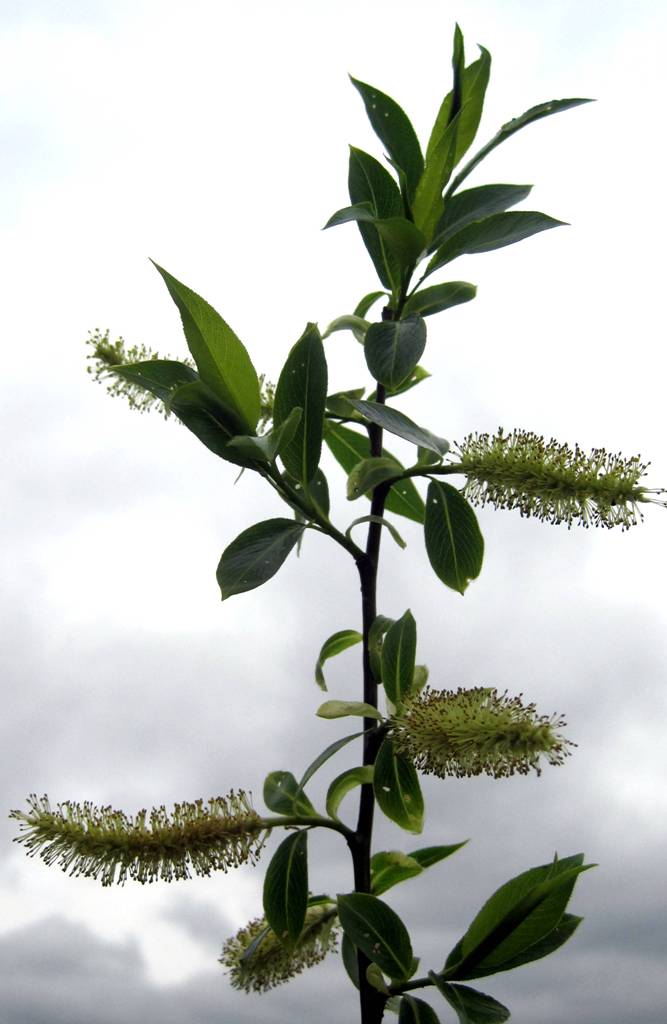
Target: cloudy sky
{"points": [[215, 141]]}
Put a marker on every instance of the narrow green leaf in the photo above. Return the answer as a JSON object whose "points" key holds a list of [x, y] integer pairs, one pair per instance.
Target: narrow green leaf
{"points": [[349, 954], [430, 855], [402, 239], [368, 474], [322, 758], [390, 867], [397, 789], [346, 708], [395, 131], [476, 204], [256, 555], [351, 214], [349, 446], [398, 657], [454, 542], [303, 384], [221, 359], [393, 349], [379, 627], [552, 941], [395, 535], [440, 297], [356, 324], [494, 232], [377, 930], [159, 376], [316, 493], [364, 305], [416, 377], [266, 447], [397, 423], [286, 888], [428, 204], [200, 410], [283, 795], [338, 403], [335, 644], [343, 784], [475, 79], [471, 1007], [370, 182], [416, 1011], [509, 129]]}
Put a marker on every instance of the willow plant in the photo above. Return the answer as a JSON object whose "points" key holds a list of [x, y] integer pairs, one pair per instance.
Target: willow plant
{"points": [[414, 218]]}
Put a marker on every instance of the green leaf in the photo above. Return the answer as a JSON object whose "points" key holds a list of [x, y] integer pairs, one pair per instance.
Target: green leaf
{"points": [[494, 232], [256, 555], [349, 954], [283, 795], [474, 81], [368, 474], [397, 423], [395, 535], [349, 446], [403, 240], [471, 1007], [397, 789], [454, 542], [303, 384], [509, 129], [221, 359], [370, 182], [393, 349], [159, 376], [428, 205], [519, 914], [200, 410], [378, 931], [356, 324], [389, 868], [552, 941], [376, 978], [440, 297], [364, 305], [338, 403], [379, 627], [419, 679], [343, 784], [266, 447], [416, 1011], [316, 493], [430, 855], [322, 758], [398, 657], [416, 377], [394, 130], [335, 644], [286, 888], [477, 204], [346, 708]]}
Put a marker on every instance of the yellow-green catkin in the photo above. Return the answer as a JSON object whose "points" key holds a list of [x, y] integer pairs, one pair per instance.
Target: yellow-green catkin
{"points": [[105, 354], [477, 731], [257, 961], [109, 845], [552, 481]]}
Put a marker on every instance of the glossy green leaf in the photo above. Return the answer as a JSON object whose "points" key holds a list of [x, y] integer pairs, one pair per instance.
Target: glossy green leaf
{"points": [[378, 931], [430, 855], [335, 644], [303, 384], [376, 978], [349, 446], [356, 324], [390, 867], [552, 941], [397, 423], [416, 1011], [316, 493], [159, 376], [376, 634], [200, 410], [519, 914], [344, 784], [398, 657], [266, 447], [402, 239], [428, 204], [364, 305], [494, 232], [256, 555], [454, 542], [395, 131], [393, 349], [440, 297], [327, 753], [368, 474], [370, 182], [509, 129], [471, 1007], [397, 789], [286, 888], [476, 204], [393, 532], [475, 79], [283, 795], [222, 360], [348, 953], [338, 404], [347, 708], [416, 377]]}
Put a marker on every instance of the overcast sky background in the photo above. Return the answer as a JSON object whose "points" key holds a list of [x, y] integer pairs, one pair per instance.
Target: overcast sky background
{"points": [[214, 139]]}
